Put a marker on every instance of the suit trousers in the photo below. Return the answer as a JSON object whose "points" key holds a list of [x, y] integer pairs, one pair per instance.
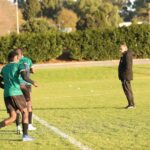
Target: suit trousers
{"points": [[126, 85]]}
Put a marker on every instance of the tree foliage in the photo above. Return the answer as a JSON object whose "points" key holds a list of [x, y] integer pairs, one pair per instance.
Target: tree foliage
{"points": [[141, 13], [50, 8], [106, 15], [91, 13], [31, 9], [67, 18], [119, 3], [37, 25]]}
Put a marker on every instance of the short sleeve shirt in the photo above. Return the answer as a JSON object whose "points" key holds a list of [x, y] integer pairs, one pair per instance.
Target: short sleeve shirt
{"points": [[10, 74], [27, 63]]}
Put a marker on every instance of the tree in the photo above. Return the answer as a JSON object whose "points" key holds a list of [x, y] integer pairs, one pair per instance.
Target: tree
{"points": [[105, 16], [119, 3], [50, 8], [141, 13], [31, 9], [88, 6], [127, 11], [67, 18], [41, 25]]}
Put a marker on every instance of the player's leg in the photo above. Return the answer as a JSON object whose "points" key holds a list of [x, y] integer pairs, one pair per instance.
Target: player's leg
{"points": [[20, 100], [11, 110], [29, 105], [27, 94], [9, 120], [26, 137], [25, 121], [18, 118], [18, 122]]}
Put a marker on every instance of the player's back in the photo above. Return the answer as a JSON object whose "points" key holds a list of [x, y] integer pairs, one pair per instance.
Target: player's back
{"points": [[10, 73]]}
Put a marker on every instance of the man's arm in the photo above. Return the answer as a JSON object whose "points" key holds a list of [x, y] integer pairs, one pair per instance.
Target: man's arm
{"points": [[27, 79], [1, 83], [31, 66], [129, 61]]}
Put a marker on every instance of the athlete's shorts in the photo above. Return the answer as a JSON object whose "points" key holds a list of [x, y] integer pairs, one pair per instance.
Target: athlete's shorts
{"points": [[14, 103], [26, 90]]}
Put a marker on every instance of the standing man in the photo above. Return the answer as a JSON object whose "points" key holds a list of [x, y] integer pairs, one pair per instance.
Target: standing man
{"points": [[25, 87], [13, 96], [125, 74]]}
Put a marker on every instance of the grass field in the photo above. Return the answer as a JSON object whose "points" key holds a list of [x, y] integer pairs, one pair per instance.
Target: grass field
{"points": [[87, 104]]}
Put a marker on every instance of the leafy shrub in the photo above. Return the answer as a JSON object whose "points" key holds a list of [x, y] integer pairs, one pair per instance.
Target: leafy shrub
{"points": [[82, 45]]}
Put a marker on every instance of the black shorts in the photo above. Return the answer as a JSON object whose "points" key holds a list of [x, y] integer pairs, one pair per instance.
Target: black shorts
{"points": [[26, 90], [14, 103]]}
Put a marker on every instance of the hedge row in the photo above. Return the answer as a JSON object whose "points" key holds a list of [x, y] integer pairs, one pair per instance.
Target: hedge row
{"points": [[82, 45], [104, 45], [39, 47]]}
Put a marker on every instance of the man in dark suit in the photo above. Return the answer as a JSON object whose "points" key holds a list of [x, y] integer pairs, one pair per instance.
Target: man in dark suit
{"points": [[125, 73]]}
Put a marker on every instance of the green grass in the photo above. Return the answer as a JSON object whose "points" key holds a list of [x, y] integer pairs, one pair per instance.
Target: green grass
{"points": [[87, 104]]}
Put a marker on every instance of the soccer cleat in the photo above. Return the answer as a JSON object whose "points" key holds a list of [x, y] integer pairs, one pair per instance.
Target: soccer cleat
{"points": [[27, 138], [19, 130], [129, 107], [31, 127]]}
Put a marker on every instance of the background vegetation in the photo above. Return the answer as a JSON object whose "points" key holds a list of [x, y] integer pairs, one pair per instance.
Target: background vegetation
{"points": [[81, 45]]}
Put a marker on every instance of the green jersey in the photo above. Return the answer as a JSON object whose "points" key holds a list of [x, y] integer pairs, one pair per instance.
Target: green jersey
{"points": [[27, 64], [10, 74]]}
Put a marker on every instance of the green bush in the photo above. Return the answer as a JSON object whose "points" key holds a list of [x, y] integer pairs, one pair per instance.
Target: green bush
{"points": [[104, 44], [82, 45], [39, 47], [6, 45], [37, 25]]}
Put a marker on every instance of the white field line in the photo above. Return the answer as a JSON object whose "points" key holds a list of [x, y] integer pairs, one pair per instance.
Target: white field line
{"points": [[61, 134]]}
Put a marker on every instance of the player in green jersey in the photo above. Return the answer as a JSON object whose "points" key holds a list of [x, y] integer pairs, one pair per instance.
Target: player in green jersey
{"points": [[13, 96], [26, 88]]}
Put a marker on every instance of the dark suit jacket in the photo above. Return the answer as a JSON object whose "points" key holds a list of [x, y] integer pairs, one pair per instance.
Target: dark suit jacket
{"points": [[125, 66]]}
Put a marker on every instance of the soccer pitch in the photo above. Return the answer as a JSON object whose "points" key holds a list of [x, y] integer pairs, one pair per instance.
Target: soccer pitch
{"points": [[85, 103]]}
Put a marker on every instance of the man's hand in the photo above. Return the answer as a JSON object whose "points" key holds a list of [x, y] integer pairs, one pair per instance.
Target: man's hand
{"points": [[35, 84], [32, 70]]}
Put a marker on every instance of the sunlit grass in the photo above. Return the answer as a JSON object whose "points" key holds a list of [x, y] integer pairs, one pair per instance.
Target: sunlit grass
{"points": [[87, 104]]}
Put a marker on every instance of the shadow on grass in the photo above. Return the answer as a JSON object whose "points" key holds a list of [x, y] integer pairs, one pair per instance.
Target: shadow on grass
{"points": [[2, 110], [7, 132], [9, 140], [79, 108], [76, 108]]}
